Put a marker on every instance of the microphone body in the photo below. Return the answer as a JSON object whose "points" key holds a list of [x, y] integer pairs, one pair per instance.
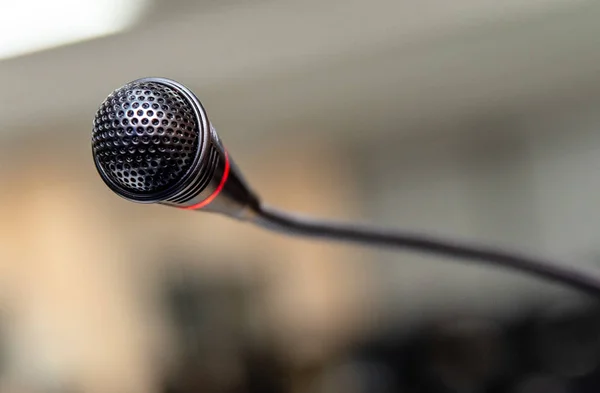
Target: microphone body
{"points": [[153, 143]]}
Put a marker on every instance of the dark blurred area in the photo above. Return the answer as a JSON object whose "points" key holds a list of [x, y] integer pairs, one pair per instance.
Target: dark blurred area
{"points": [[475, 119], [536, 352]]}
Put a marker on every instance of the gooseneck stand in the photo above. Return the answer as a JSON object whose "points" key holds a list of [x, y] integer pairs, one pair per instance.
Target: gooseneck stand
{"points": [[292, 224]]}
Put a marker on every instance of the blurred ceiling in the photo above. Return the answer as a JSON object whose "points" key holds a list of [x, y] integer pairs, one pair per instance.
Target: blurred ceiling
{"points": [[324, 65]]}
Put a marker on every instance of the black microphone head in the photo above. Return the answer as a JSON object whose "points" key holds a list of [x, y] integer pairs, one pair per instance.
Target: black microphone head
{"points": [[152, 142], [145, 138]]}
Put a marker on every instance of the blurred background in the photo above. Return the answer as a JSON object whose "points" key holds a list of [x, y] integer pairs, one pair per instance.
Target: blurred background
{"points": [[475, 119]]}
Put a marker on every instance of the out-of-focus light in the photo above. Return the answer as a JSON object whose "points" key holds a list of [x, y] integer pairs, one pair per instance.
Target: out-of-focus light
{"points": [[28, 26]]}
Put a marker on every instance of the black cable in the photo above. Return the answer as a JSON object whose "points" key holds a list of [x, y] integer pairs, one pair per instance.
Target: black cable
{"points": [[279, 221]]}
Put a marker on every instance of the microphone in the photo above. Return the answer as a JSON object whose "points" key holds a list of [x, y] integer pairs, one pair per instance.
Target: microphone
{"points": [[152, 142]]}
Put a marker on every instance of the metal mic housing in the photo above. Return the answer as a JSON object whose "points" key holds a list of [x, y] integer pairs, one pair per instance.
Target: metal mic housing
{"points": [[152, 142]]}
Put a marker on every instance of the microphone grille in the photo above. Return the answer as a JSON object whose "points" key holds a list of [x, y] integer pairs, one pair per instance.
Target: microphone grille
{"points": [[145, 137]]}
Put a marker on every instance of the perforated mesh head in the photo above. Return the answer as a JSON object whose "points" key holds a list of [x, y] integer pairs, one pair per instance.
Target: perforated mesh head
{"points": [[145, 137]]}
